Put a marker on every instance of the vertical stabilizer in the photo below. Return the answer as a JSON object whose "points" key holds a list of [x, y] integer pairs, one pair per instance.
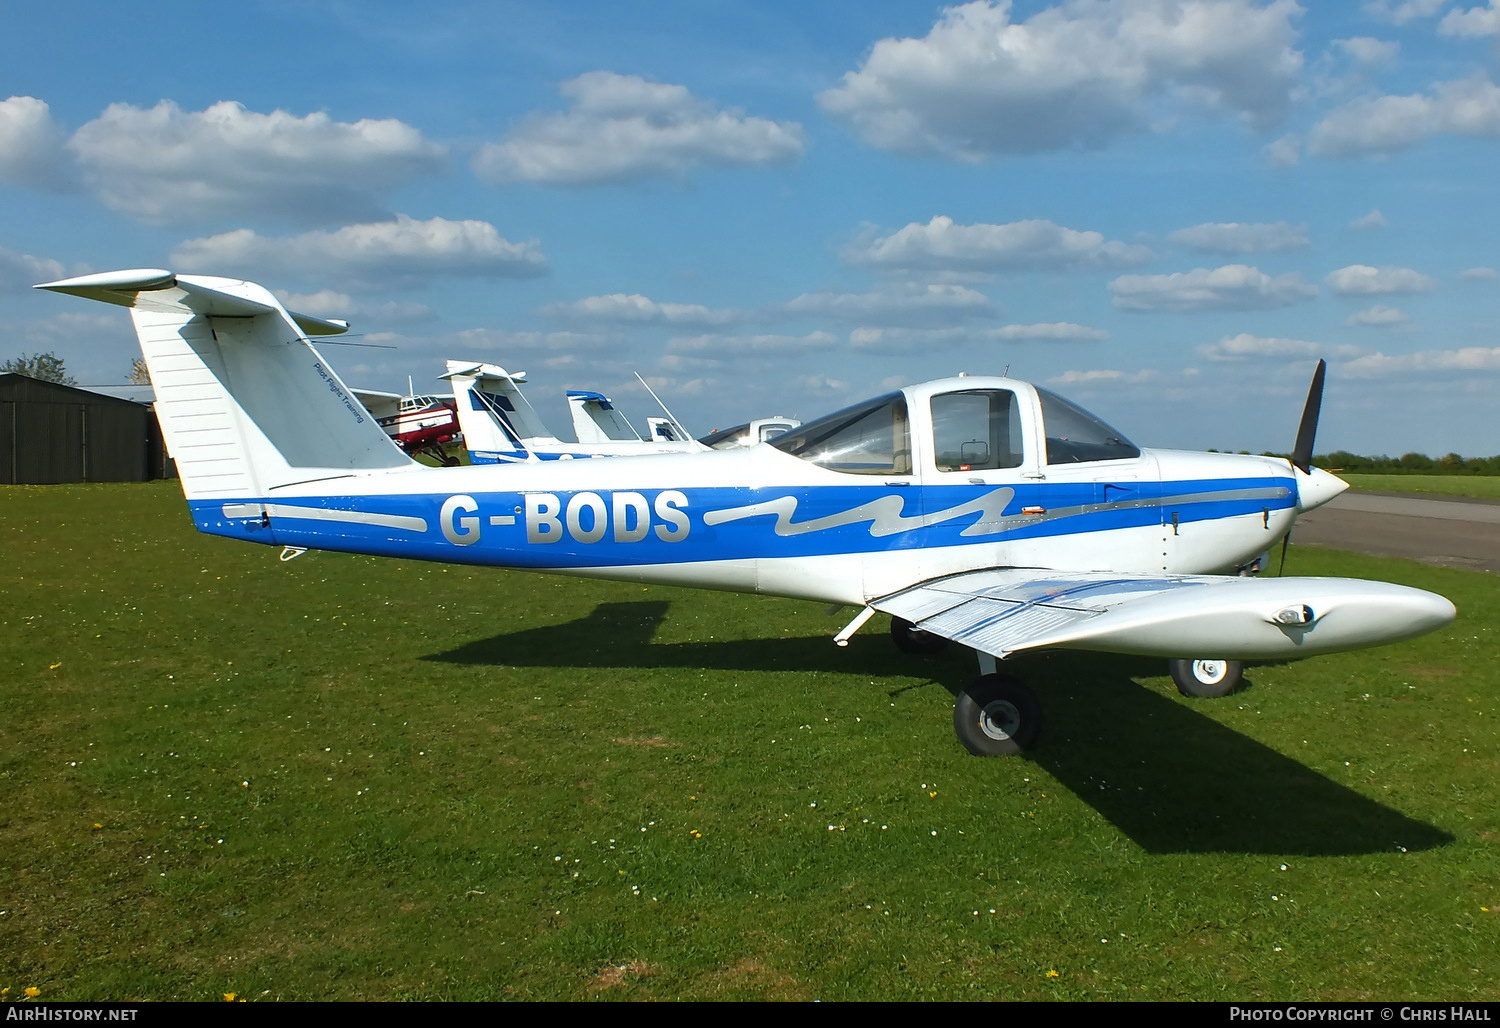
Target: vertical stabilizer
{"points": [[596, 420], [246, 404], [497, 421]]}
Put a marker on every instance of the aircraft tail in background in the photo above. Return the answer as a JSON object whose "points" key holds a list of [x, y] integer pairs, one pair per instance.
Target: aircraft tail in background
{"points": [[597, 420]]}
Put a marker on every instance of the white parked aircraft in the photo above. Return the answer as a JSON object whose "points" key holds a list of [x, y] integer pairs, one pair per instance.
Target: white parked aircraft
{"points": [[500, 426], [752, 433], [982, 510]]}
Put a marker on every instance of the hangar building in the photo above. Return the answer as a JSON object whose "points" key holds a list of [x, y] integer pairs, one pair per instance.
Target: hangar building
{"points": [[52, 433]]}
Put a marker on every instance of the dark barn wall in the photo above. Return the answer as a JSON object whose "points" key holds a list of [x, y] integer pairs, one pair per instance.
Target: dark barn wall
{"points": [[52, 433]]}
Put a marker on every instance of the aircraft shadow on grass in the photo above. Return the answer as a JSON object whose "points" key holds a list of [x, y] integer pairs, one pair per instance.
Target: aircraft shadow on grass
{"points": [[1171, 778]]}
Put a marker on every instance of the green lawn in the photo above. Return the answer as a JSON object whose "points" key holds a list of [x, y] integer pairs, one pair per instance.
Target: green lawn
{"points": [[351, 778], [1447, 485]]}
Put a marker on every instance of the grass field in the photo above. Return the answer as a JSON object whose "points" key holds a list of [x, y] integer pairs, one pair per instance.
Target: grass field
{"points": [[350, 778], [1446, 485]]}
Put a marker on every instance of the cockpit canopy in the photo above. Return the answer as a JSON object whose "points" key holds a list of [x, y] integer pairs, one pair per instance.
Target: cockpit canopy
{"points": [[870, 438], [971, 429]]}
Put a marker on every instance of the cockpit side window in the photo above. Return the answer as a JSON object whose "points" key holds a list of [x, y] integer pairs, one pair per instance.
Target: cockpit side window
{"points": [[1076, 436], [872, 438], [976, 430]]}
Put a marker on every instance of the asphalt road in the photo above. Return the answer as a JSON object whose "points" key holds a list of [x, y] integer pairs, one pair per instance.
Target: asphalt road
{"points": [[1454, 532]]}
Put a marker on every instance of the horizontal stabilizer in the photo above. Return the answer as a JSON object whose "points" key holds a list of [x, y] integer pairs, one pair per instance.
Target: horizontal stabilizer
{"points": [[153, 288], [1007, 611]]}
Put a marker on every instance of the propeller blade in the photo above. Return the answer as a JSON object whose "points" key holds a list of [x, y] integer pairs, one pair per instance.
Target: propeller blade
{"points": [[1302, 453]]}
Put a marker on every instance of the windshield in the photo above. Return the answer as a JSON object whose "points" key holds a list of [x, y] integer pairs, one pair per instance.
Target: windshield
{"points": [[871, 438], [1075, 436]]}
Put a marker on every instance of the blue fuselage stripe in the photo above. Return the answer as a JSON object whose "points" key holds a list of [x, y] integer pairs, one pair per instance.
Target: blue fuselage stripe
{"points": [[619, 528]]}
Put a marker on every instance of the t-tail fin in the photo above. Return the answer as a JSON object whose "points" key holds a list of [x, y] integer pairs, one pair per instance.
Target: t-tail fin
{"points": [[498, 423], [596, 420], [246, 404]]}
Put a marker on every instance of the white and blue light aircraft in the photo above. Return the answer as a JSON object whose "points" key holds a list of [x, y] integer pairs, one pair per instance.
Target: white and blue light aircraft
{"points": [[982, 510]]}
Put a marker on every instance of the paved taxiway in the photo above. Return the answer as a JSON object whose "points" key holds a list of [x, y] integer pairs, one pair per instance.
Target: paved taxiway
{"points": [[1453, 531]]}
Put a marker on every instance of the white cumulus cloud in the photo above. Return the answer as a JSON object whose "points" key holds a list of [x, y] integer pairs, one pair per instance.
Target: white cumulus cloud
{"points": [[1017, 246], [622, 127], [329, 303], [21, 271], [1476, 21], [906, 340], [1399, 12], [1383, 125], [1078, 74], [1234, 237], [931, 305], [1369, 51], [1378, 315], [1235, 287], [715, 347], [1104, 376], [374, 255], [1363, 280], [1285, 152], [1249, 347], [166, 165], [635, 309], [30, 144], [1056, 331], [1470, 359], [1372, 220], [1480, 274]]}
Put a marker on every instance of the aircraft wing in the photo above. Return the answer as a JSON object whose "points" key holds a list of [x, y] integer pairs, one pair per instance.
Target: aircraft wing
{"points": [[1004, 611], [378, 403]]}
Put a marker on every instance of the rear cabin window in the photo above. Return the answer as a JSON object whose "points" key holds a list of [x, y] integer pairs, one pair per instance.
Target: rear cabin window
{"points": [[976, 430], [872, 438], [1075, 436]]}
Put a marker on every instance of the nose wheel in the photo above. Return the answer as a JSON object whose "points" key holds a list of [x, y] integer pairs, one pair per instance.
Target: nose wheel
{"points": [[1207, 678], [997, 716]]}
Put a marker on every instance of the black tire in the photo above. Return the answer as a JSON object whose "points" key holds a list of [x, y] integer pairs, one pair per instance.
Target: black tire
{"points": [[997, 716], [911, 639], [1207, 679]]}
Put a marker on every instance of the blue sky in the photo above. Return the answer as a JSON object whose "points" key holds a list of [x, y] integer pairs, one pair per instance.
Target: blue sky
{"points": [[1165, 209]]}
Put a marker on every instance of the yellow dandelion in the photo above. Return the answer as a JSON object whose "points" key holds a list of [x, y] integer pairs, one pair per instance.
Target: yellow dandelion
{"points": [[228, 997], [933, 795], [32, 992], [1053, 974]]}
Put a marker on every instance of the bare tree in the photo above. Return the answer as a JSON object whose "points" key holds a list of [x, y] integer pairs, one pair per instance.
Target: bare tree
{"points": [[138, 376]]}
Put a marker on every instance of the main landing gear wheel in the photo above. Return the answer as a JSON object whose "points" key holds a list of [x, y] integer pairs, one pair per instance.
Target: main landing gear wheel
{"points": [[911, 639], [997, 716], [1207, 679]]}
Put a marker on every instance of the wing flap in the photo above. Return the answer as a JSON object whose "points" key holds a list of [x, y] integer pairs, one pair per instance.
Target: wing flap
{"points": [[1006, 611]]}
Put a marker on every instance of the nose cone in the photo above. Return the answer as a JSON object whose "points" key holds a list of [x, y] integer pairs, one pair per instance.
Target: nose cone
{"points": [[1316, 487]]}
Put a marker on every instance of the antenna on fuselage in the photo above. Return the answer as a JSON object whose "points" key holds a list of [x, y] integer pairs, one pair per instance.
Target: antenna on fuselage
{"points": [[670, 416]]}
